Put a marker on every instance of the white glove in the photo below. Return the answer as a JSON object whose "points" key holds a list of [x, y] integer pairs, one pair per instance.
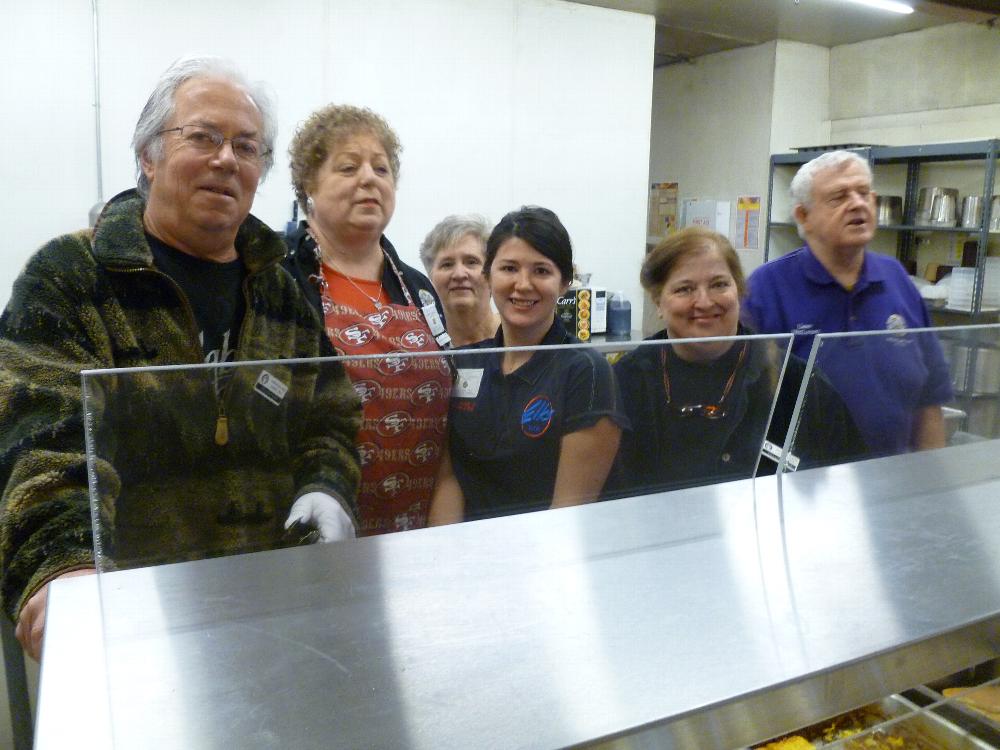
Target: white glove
{"points": [[323, 513]]}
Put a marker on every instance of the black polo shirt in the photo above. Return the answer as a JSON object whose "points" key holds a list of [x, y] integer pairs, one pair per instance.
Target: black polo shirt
{"points": [[505, 430]]}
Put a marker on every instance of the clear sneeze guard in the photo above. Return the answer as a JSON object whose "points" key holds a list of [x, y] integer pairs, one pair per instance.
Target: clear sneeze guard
{"points": [[223, 628], [905, 390]]}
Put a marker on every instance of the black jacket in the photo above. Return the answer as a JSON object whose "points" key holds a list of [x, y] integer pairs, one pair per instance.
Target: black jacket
{"points": [[664, 450], [302, 263]]}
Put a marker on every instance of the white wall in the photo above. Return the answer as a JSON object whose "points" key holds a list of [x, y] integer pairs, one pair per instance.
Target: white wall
{"points": [[800, 114], [711, 129], [935, 85], [47, 166], [497, 103]]}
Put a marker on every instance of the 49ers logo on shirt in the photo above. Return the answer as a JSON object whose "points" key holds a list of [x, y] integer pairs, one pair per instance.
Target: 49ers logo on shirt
{"points": [[393, 365], [357, 335], [415, 339], [427, 393], [424, 453], [367, 453], [537, 416], [393, 424], [367, 390], [379, 319], [392, 485]]}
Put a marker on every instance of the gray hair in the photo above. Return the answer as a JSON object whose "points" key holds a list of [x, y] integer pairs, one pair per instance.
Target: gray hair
{"points": [[449, 231], [802, 183], [160, 108]]}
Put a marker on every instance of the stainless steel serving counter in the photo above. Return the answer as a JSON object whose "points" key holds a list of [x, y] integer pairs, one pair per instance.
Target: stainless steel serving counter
{"points": [[709, 618]]}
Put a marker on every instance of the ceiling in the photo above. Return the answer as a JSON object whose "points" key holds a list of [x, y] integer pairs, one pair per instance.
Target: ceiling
{"points": [[686, 29]]}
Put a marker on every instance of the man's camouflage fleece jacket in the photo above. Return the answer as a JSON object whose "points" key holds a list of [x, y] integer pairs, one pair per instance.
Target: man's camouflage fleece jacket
{"points": [[168, 489]]}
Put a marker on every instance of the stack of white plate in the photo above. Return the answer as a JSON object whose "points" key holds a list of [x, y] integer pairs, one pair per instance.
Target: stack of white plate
{"points": [[991, 283], [960, 288]]}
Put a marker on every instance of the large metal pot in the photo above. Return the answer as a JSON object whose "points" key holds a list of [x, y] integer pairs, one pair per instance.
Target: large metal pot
{"points": [[889, 210], [937, 206], [972, 211]]}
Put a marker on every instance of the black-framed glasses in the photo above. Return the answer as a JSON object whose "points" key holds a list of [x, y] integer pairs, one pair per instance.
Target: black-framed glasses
{"points": [[209, 140]]}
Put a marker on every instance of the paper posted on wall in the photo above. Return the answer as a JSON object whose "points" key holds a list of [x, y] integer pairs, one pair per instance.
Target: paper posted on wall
{"points": [[662, 209], [747, 222]]}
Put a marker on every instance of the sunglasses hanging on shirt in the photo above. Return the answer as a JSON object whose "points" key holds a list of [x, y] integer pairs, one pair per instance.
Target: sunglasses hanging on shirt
{"points": [[708, 411]]}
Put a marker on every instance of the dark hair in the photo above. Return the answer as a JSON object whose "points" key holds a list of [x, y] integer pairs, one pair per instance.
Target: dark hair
{"points": [[541, 229], [663, 259]]}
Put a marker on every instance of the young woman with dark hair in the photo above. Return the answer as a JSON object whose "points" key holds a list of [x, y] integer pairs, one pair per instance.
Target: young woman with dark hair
{"points": [[528, 429]]}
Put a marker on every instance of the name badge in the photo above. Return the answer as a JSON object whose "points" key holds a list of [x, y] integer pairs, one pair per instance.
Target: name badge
{"points": [[467, 383], [430, 311], [773, 452], [270, 387]]}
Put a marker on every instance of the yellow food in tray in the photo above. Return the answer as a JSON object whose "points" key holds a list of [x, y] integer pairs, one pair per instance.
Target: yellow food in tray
{"points": [[985, 700], [855, 723], [790, 743]]}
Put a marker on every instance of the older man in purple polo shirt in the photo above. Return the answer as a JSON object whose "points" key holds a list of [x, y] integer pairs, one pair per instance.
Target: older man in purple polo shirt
{"points": [[894, 385]]}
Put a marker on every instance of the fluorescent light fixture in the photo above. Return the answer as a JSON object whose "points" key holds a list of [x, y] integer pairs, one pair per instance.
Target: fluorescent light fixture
{"points": [[890, 5]]}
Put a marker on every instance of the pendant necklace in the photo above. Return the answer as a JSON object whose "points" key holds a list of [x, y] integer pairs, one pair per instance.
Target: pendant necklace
{"points": [[708, 411], [376, 301]]}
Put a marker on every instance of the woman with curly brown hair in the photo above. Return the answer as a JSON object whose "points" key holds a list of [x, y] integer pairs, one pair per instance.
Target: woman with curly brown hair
{"points": [[345, 165]]}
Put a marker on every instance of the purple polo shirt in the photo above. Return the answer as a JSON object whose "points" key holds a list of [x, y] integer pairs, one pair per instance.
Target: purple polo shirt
{"points": [[882, 379]]}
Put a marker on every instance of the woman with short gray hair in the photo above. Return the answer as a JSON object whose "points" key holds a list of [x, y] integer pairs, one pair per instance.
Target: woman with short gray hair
{"points": [[454, 253]]}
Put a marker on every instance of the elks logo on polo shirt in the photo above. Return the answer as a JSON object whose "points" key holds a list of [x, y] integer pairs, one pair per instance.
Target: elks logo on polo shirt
{"points": [[357, 335], [537, 416], [895, 322]]}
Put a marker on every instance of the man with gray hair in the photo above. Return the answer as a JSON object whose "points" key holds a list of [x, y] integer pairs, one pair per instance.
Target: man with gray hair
{"points": [[894, 386], [191, 464]]}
